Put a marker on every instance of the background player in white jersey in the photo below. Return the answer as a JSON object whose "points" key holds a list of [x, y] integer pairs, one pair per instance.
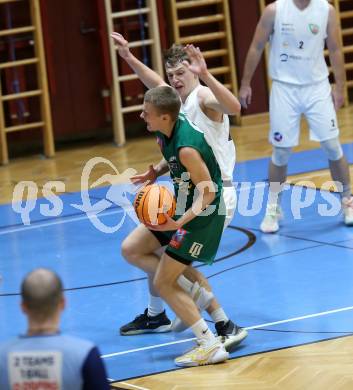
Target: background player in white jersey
{"points": [[298, 30], [208, 107]]}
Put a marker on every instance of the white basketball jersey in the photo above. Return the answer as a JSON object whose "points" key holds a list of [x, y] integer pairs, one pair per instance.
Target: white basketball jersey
{"points": [[217, 134], [298, 41]]}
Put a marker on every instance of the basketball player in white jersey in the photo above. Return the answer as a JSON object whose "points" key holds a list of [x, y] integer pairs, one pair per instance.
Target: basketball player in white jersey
{"points": [[298, 30], [208, 107]]}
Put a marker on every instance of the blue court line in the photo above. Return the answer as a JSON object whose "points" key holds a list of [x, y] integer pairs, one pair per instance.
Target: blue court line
{"points": [[311, 240], [334, 244], [272, 256], [227, 256]]}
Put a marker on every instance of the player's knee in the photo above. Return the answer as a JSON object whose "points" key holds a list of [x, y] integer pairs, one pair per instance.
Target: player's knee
{"points": [[129, 252], [164, 283], [280, 156], [332, 148]]}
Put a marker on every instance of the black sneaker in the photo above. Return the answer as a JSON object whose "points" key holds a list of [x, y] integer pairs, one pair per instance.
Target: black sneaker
{"points": [[230, 334], [145, 324]]}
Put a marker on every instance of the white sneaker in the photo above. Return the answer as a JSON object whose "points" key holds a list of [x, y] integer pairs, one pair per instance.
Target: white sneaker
{"points": [[202, 299], [203, 354], [347, 208], [270, 222]]}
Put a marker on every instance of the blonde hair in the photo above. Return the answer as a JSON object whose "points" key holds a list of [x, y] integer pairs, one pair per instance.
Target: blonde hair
{"points": [[165, 99], [175, 55]]}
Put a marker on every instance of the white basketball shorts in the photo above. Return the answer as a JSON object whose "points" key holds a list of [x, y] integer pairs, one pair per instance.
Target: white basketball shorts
{"points": [[288, 102], [230, 200]]}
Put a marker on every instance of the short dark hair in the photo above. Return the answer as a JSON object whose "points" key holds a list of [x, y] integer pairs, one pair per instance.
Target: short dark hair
{"points": [[41, 292], [165, 99], [175, 55]]}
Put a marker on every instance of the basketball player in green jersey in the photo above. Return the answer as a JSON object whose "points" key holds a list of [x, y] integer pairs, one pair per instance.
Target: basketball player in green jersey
{"points": [[208, 106], [195, 232]]}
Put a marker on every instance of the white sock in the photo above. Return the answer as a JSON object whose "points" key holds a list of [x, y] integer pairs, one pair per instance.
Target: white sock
{"points": [[346, 191], [185, 283], [219, 315], [155, 306], [275, 193], [202, 332]]}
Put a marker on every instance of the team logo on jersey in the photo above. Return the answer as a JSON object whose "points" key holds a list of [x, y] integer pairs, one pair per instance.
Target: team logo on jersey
{"points": [[314, 28], [277, 136], [287, 28], [173, 165], [195, 249], [178, 238], [284, 57]]}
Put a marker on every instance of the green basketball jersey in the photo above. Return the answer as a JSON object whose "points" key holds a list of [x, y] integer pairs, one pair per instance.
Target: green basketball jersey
{"points": [[186, 134]]}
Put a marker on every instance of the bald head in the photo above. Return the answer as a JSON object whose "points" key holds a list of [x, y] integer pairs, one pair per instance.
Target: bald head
{"points": [[41, 292]]}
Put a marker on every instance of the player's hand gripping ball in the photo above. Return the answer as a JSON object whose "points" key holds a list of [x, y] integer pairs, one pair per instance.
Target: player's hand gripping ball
{"points": [[152, 202]]}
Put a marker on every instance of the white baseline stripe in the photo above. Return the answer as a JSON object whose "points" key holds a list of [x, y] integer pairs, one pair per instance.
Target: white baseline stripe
{"points": [[55, 222], [133, 386], [323, 313], [116, 382], [146, 348]]}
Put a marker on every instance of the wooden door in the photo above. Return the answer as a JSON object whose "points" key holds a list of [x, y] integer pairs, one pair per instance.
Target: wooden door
{"points": [[77, 76]]}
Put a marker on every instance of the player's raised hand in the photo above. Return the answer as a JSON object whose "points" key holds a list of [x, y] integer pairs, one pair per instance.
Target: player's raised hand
{"points": [[197, 63], [121, 44]]}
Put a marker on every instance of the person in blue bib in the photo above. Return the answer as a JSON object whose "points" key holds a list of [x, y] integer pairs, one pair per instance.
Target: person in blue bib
{"points": [[43, 358]]}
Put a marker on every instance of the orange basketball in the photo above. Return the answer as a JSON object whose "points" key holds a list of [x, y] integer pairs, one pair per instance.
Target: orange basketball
{"points": [[152, 202]]}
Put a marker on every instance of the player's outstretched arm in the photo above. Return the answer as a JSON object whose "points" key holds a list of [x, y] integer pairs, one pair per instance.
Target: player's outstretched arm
{"points": [[150, 176], [218, 98], [148, 76], [336, 58], [261, 36]]}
